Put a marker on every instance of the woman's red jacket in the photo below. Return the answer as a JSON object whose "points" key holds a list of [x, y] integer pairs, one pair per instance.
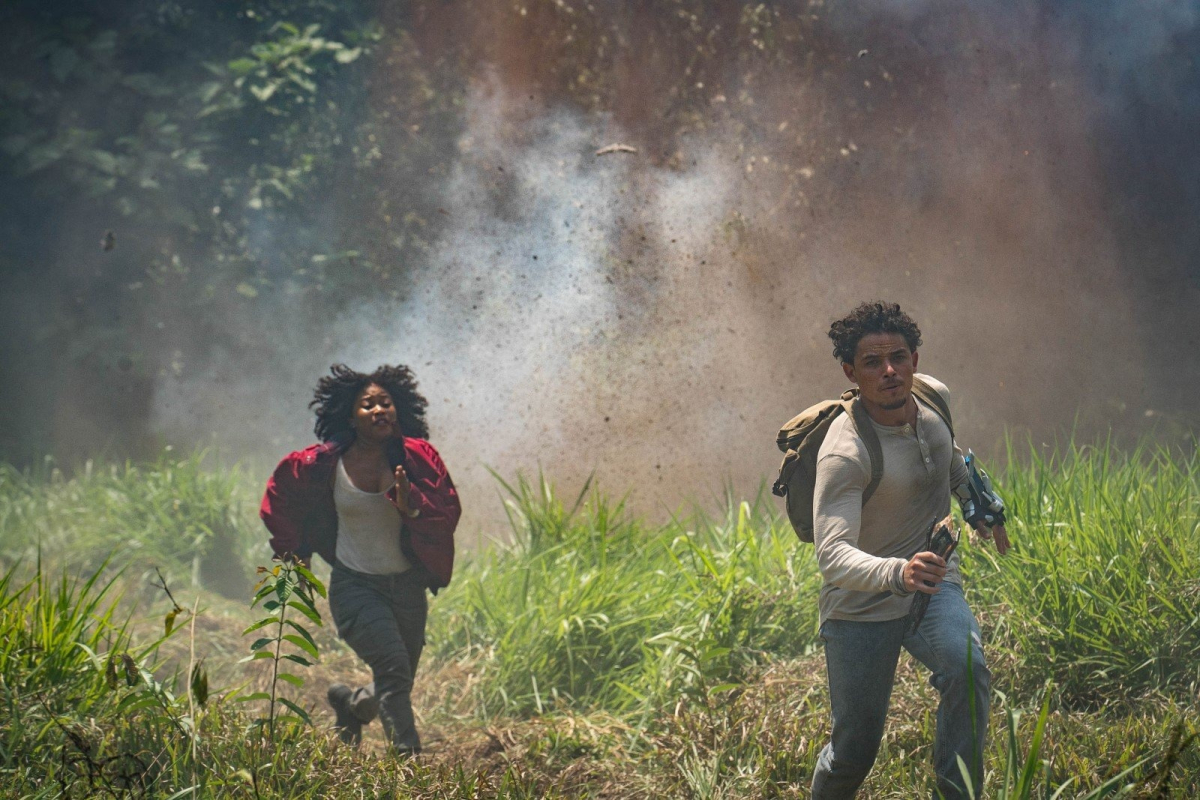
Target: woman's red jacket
{"points": [[299, 512]]}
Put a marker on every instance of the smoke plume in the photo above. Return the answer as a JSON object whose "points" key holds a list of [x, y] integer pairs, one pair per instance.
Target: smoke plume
{"points": [[1001, 171]]}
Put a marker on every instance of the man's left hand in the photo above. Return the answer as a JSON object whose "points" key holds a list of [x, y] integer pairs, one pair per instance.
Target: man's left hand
{"points": [[996, 532]]}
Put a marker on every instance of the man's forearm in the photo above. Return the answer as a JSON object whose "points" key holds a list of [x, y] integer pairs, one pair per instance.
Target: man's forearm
{"points": [[846, 567]]}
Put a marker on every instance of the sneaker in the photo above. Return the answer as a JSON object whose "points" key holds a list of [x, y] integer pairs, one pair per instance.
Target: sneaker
{"points": [[348, 726]]}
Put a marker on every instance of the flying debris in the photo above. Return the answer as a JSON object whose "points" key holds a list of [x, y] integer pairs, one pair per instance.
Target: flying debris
{"points": [[108, 241], [616, 148]]}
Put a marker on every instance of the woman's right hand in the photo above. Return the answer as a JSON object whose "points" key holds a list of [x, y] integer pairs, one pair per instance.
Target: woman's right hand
{"points": [[401, 487]]}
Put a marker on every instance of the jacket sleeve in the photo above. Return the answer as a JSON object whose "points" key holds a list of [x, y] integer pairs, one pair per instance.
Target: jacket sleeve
{"points": [[283, 509], [434, 511], [435, 499]]}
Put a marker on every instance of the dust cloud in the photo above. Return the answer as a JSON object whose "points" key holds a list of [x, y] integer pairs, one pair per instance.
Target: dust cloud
{"points": [[654, 316]]}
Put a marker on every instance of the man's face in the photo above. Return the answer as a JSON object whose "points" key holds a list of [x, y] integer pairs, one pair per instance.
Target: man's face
{"points": [[374, 414], [883, 369]]}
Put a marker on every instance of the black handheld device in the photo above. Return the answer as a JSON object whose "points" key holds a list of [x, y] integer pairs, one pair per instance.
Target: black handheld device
{"points": [[942, 541]]}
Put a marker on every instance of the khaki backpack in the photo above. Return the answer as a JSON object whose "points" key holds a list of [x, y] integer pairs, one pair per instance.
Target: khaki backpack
{"points": [[800, 441]]}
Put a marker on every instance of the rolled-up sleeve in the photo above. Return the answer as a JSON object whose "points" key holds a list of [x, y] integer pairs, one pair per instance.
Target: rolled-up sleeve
{"points": [[837, 520]]}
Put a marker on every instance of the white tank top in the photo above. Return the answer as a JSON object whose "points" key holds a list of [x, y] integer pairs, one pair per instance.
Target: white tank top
{"points": [[368, 529]]}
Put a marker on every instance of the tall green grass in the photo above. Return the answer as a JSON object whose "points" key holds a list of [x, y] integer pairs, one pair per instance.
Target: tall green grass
{"points": [[692, 642], [588, 609], [83, 715], [1101, 595], [59, 639], [177, 513]]}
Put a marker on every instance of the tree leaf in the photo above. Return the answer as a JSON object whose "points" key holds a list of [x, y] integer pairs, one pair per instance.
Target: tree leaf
{"points": [[102, 160], [302, 82], [347, 56], [242, 66], [41, 156], [287, 583], [263, 93], [135, 702], [307, 611], [303, 644], [294, 680], [301, 630], [209, 90], [246, 698], [300, 712], [313, 582]]}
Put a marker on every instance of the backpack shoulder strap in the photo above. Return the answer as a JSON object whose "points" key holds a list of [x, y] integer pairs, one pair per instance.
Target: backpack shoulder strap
{"points": [[870, 439], [933, 398]]}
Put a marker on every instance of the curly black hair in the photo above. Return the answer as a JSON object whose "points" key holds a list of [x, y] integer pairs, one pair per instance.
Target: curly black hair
{"points": [[877, 317], [336, 392]]}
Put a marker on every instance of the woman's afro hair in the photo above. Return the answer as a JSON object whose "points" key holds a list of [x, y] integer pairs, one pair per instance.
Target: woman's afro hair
{"points": [[336, 392], [877, 317]]}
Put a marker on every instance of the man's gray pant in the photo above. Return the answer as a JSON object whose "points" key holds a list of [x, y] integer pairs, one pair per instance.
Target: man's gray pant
{"points": [[382, 618], [860, 659]]}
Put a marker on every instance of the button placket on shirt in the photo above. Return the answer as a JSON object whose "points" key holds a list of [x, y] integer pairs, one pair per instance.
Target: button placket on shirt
{"points": [[926, 456]]}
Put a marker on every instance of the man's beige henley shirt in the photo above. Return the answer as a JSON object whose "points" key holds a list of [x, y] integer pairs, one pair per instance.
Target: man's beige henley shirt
{"points": [[861, 550]]}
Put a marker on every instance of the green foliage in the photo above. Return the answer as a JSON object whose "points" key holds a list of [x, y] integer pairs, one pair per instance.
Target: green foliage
{"points": [[1101, 594], [288, 586], [588, 609], [173, 513], [173, 117], [78, 693], [201, 139], [84, 716], [680, 655]]}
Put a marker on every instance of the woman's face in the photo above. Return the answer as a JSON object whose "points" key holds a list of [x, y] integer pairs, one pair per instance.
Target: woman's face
{"points": [[374, 414]]}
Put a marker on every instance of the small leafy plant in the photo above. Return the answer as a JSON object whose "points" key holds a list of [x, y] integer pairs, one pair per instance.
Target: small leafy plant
{"points": [[288, 586]]}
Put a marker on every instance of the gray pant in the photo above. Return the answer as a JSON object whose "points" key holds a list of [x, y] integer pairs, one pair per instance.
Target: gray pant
{"points": [[382, 618], [860, 659]]}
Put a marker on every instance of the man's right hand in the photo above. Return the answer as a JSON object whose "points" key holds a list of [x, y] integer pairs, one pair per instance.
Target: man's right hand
{"points": [[924, 572]]}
